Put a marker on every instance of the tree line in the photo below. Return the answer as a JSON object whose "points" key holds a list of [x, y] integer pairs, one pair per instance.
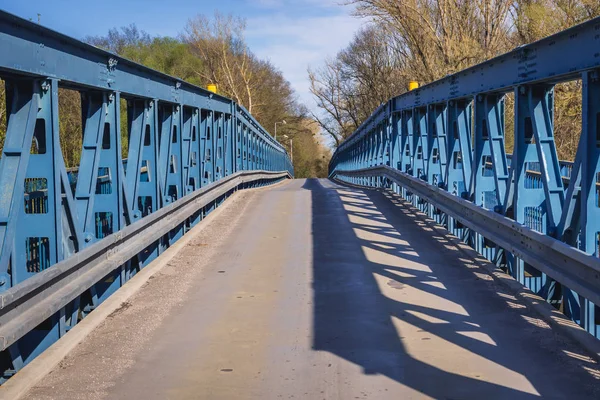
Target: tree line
{"points": [[209, 50], [425, 40]]}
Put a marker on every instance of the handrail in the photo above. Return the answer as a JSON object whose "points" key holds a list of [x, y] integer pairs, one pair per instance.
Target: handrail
{"points": [[31, 302], [568, 265]]}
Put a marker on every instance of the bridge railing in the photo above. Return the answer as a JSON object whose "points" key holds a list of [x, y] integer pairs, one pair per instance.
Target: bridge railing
{"points": [[442, 147], [182, 142]]}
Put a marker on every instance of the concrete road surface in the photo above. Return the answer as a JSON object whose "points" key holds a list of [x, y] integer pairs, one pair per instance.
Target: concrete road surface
{"points": [[310, 290]]}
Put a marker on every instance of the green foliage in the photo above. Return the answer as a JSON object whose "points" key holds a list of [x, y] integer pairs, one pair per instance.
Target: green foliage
{"points": [[310, 159], [167, 55], [70, 126]]}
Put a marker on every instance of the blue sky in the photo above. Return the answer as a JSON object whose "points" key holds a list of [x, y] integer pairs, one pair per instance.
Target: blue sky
{"points": [[293, 34]]}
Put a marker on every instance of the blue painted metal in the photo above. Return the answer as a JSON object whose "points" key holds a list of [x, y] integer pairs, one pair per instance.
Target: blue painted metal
{"points": [[180, 139], [588, 163], [451, 134], [458, 175]]}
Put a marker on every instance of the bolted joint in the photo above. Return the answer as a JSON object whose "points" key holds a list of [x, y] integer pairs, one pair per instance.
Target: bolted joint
{"points": [[45, 86], [112, 64]]}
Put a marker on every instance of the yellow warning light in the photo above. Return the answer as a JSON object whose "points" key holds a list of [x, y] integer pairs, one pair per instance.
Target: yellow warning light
{"points": [[212, 88]]}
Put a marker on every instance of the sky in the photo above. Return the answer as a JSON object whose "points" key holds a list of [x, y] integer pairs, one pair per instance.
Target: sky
{"points": [[292, 34]]}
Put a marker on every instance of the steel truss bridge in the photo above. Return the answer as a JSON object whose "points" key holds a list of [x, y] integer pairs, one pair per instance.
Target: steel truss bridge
{"points": [[99, 224], [158, 155], [442, 147]]}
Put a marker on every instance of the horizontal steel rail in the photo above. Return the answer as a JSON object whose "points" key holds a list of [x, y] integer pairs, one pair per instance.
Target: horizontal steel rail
{"points": [[571, 266], [31, 302]]}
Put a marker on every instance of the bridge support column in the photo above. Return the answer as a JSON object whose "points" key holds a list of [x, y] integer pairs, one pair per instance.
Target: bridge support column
{"points": [[590, 187], [458, 171], [489, 176]]}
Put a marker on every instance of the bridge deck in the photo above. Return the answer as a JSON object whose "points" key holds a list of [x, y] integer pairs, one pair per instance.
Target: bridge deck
{"points": [[373, 304]]}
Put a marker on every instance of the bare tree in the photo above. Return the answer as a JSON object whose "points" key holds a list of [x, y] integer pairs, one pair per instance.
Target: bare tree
{"points": [[360, 78], [535, 19], [426, 40], [326, 86], [118, 39], [438, 37], [220, 43]]}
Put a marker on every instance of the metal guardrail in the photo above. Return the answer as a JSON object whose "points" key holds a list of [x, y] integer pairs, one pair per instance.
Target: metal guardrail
{"points": [[33, 301], [450, 134], [566, 264]]}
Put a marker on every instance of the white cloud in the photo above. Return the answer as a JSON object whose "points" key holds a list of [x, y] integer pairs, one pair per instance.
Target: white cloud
{"points": [[295, 42]]}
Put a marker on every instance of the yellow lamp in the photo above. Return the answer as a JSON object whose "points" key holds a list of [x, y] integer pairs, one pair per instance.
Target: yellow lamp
{"points": [[212, 88]]}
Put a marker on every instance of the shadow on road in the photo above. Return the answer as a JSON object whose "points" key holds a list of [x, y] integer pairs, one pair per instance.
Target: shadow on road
{"points": [[390, 294]]}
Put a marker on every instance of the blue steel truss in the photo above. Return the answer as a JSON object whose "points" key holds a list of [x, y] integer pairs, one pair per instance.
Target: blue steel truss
{"points": [[451, 134], [180, 138]]}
